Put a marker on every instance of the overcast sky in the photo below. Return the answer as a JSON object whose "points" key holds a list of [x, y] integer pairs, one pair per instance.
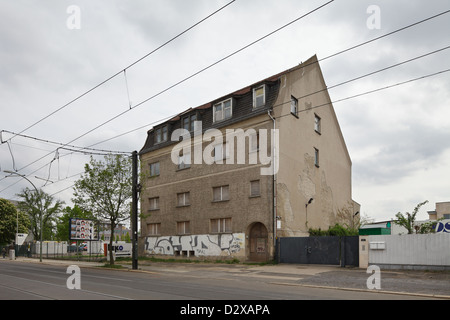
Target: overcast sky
{"points": [[52, 51]]}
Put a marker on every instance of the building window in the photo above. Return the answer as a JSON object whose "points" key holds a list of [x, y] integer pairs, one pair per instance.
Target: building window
{"points": [[221, 193], [255, 188], [183, 227], [154, 169], [153, 229], [183, 199], [317, 123], [154, 203], [184, 161], [259, 96], [316, 157], [188, 122], [223, 110], [221, 225], [294, 106], [161, 134], [254, 142], [221, 152]]}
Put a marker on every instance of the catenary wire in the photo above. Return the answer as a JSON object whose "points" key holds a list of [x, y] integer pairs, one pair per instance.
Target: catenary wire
{"points": [[124, 70], [328, 103], [346, 50], [189, 77]]}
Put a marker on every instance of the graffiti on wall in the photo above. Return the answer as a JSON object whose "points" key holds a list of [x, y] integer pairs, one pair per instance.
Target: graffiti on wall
{"points": [[199, 245]]}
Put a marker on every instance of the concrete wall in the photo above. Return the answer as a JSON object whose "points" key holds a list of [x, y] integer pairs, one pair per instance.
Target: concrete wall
{"points": [[414, 251]]}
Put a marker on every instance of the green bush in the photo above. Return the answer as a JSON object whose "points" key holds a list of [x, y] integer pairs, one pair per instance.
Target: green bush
{"points": [[336, 230]]}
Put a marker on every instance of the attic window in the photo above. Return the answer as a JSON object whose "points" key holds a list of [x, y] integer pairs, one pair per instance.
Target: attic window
{"points": [[223, 110], [161, 134], [259, 96], [188, 122]]}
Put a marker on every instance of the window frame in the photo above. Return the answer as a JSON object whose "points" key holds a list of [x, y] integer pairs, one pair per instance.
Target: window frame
{"points": [[222, 106], [190, 122], [221, 193], [154, 229], [316, 157], [184, 203], [182, 164], [161, 134], [221, 225], [255, 96], [295, 101], [155, 206], [317, 124], [218, 158], [255, 195], [186, 227], [155, 164]]}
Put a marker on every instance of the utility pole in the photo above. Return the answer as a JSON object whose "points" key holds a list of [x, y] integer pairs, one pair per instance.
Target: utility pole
{"points": [[134, 210]]}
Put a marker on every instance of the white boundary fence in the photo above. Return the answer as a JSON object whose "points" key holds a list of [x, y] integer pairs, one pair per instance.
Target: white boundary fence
{"points": [[410, 251]]}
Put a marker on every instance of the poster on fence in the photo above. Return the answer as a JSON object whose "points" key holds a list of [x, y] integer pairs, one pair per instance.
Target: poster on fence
{"points": [[83, 229]]}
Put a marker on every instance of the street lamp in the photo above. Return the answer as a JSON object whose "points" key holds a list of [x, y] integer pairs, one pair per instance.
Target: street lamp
{"points": [[40, 209]]}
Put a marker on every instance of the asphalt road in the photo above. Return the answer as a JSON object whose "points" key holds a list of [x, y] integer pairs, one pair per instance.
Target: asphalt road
{"points": [[35, 281]]}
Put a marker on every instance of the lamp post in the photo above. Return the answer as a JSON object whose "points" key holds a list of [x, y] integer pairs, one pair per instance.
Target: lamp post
{"points": [[306, 209], [40, 209]]}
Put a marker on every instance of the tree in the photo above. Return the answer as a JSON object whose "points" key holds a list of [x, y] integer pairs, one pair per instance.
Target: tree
{"points": [[62, 227], [105, 188], [37, 204], [11, 221], [407, 220]]}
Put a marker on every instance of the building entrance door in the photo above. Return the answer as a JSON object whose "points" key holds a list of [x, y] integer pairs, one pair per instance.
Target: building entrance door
{"points": [[258, 237]]}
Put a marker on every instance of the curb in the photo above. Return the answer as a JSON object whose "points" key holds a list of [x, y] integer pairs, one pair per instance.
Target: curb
{"points": [[437, 296]]}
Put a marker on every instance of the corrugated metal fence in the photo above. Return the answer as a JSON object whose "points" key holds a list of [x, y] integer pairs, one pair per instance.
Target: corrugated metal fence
{"points": [[427, 251]]}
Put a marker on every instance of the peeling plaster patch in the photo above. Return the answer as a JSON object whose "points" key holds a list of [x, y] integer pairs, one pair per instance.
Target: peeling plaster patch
{"points": [[306, 185], [326, 195], [284, 199]]}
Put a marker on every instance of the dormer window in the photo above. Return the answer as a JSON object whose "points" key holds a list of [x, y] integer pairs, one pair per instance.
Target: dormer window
{"points": [[188, 122], [259, 96], [223, 110], [161, 134]]}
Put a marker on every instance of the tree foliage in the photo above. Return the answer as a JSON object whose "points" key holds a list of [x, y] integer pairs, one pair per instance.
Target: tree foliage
{"points": [[36, 203], [105, 189], [11, 221], [336, 230], [408, 220], [62, 227]]}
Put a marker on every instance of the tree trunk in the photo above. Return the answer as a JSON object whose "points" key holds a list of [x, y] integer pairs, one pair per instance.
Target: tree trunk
{"points": [[111, 240]]}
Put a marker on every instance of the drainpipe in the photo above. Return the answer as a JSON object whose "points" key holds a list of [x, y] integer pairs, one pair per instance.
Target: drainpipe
{"points": [[274, 185]]}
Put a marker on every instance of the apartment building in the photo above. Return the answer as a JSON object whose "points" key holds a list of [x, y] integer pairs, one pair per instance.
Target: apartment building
{"points": [[227, 178]]}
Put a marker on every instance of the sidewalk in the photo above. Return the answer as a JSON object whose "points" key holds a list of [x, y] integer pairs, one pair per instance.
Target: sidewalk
{"points": [[420, 283]]}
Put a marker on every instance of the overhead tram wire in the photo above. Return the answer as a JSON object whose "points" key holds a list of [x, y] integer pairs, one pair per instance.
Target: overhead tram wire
{"points": [[189, 77], [184, 80], [67, 146], [335, 101], [254, 42], [335, 54], [304, 96], [124, 70]]}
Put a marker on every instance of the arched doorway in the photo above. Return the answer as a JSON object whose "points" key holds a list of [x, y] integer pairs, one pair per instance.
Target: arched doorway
{"points": [[258, 242]]}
